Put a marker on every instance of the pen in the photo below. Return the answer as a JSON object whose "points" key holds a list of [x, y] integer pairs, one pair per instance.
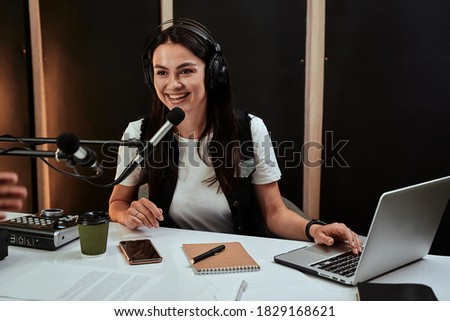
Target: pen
{"points": [[207, 254], [241, 290]]}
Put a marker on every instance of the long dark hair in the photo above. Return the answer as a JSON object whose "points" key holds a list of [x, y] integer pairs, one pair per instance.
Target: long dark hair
{"points": [[223, 149]]}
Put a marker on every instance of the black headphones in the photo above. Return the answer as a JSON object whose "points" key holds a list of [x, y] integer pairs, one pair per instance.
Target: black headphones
{"points": [[216, 73]]}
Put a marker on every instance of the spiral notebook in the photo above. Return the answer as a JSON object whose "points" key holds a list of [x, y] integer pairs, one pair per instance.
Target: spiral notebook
{"points": [[234, 258]]}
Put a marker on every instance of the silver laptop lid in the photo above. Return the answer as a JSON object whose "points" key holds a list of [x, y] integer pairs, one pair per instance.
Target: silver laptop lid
{"points": [[403, 228]]}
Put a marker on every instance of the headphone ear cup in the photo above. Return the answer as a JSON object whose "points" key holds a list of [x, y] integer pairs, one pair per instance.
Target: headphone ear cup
{"points": [[148, 69], [217, 73], [149, 77]]}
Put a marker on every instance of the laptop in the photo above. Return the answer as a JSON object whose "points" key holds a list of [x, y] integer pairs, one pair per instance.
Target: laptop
{"points": [[402, 231]]}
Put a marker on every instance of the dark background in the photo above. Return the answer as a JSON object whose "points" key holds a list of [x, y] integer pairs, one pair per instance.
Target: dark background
{"points": [[387, 73], [387, 76]]}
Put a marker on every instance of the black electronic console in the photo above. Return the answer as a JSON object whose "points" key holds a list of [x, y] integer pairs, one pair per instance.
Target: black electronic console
{"points": [[48, 230], [4, 242]]}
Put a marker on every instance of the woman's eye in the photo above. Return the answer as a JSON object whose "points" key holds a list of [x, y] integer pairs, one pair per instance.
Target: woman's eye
{"points": [[161, 73], [186, 71]]}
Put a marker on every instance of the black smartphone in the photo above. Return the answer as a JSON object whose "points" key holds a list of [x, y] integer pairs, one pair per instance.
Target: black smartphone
{"points": [[140, 251]]}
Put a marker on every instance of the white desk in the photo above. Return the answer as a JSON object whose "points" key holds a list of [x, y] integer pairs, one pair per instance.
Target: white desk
{"points": [[65, 274]]}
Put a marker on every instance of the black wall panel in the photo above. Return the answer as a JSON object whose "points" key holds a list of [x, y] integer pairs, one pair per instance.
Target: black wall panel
{"points": [[263, 42], [387, 75]]}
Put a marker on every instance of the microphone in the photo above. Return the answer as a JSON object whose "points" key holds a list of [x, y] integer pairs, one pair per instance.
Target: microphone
{"points": [[69, 144], [174, 118]]}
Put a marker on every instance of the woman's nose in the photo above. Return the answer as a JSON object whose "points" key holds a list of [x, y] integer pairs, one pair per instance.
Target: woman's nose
{"points": [[175, 82]]}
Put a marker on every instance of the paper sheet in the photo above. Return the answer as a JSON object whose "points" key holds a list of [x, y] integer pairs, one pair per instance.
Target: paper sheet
{"points": [[75, 282]]}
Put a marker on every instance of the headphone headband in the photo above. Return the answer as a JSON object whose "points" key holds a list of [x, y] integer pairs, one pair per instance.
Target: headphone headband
{"points": [[216, 73], [196, 28]]}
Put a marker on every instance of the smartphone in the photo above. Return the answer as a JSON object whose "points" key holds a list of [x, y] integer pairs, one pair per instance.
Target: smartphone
{"points": [[140, 251]]}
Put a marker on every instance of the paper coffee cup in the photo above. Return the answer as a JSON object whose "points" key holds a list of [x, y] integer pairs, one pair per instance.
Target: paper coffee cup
{"points": [[93, 231]]}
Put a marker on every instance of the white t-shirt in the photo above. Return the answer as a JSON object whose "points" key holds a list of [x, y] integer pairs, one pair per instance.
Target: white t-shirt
{"points": [[195, 204]]}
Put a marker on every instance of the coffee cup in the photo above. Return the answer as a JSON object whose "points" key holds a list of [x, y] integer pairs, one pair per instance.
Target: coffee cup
{"points": [[93, 231]]}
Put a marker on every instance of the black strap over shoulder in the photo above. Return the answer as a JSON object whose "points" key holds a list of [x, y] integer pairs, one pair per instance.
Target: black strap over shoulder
{"points": [[163, 193], [245, 212], [244, 133]]}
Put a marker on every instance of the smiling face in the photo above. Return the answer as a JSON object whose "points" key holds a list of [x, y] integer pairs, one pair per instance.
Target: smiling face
{"points": [[179, 78]]}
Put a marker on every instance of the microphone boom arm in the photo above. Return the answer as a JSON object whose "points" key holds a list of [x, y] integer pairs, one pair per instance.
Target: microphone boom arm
{"points": [[27, 153], [43, 140]]}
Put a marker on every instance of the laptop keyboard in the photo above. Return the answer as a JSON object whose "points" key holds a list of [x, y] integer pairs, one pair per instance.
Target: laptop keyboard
{"points": [[344, 264]]}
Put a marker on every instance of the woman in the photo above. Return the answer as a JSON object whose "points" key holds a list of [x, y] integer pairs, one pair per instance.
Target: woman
{"points": [[200, 176]]}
